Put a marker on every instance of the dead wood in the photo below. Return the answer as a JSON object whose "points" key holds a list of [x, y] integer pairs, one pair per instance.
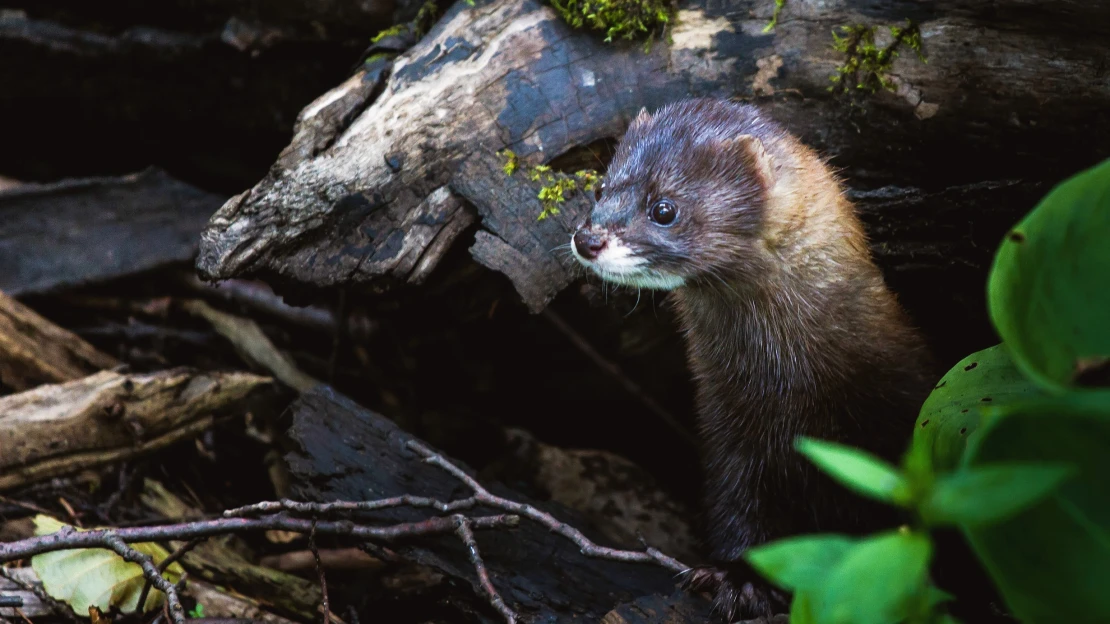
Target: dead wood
{"points": [[108, 417], [387, 155], [78, 231], [22, 583], [344, 452], [33, 350]]}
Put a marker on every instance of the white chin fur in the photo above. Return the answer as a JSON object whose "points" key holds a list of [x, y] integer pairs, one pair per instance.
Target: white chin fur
{"points": [[616, 263]]}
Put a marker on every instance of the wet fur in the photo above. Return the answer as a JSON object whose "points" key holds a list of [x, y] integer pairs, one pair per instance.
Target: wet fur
{"points": [[789, 327]]}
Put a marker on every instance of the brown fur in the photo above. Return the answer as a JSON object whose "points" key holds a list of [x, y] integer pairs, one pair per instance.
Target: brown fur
{"points": [[789, 326]]}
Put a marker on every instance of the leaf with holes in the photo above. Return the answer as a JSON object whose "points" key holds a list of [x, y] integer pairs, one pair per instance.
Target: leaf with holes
{"points": [[90, 577], [952, 414], [1048, 287], [1051, 561]]}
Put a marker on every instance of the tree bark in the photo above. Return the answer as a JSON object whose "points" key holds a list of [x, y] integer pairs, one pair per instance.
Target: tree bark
{"points": [[107, 417], [33, 350], [78, 231], [981, 123]]}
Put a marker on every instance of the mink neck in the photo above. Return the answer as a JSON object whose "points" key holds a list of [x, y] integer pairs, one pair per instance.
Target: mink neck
{"points": [[790, 344]]}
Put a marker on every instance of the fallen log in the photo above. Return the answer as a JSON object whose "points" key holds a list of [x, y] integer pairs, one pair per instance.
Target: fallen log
{"points": [[340, 451], [78, 231], [389, 155], [33, 350], [108, 417]]}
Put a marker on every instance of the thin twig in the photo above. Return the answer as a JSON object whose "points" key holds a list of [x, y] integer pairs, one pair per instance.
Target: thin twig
{"points": [[165, 565], [177, 612], [68, 538], [585, 545], [340, 506], [319, 572], [467, 537]]}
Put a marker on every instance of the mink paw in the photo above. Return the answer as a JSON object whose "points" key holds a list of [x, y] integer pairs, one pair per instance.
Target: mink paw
{"points": [[737, 593]]}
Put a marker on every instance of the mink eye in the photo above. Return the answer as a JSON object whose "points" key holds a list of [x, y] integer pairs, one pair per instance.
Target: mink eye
{"points": [[663, 212], [598, 190]]}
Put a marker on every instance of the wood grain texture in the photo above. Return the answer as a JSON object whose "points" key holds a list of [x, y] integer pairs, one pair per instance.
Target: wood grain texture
{"points": [[107, 417], [78, 231], [33, 350]]}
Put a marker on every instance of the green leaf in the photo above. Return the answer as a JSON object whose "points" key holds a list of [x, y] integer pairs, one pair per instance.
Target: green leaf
{"points": [[952, 414], [799, 562], [801, 609], [1048, 285], [1051, 562], [857, 470], [92, 576], [986, 494], [879, 581]]}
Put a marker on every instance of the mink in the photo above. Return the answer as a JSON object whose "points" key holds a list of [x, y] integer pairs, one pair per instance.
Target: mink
{"points": [[789, 327]]}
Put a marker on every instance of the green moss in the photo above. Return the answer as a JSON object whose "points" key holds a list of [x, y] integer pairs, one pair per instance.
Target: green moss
{"points": [[775, 17], [556, 185], [512, 163], [619, 19], [867, 67], [418, 27]]}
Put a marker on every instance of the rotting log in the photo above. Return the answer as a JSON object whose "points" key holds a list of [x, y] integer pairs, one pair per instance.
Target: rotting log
{"points": [[78, 231], [107, 417], [33, 350], [341, 451], [397, 155]]}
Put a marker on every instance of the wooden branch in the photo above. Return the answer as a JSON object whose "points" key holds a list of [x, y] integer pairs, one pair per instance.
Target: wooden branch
{"points": [[107, 417], [33, 350], [344, 452], [79, 231], [512, 74]]}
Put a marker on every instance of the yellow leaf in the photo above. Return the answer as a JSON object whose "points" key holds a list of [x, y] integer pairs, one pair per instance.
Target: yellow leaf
{"points": [[95, 577]]}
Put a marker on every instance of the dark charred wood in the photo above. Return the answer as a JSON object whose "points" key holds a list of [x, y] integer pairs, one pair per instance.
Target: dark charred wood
{"points": [[1005, 88], [344, 452], [80, 231], [209, 96], [317, 18]]}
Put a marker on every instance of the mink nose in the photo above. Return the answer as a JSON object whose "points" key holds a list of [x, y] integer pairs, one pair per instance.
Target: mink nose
{"points": [[588, 243]]}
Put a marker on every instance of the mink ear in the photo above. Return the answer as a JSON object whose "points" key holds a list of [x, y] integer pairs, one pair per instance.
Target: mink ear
{"points": [[642, 118], [749, 150]]}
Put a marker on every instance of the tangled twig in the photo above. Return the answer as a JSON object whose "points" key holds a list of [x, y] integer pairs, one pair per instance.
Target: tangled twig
{"points": [[480, 496], [166, 563], [585, 545], [467, 537], [150, 571], [117, 540], [275, 515]]}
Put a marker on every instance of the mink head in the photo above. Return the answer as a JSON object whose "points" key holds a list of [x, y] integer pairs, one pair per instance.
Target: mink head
{"points": [[683, 198]]}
